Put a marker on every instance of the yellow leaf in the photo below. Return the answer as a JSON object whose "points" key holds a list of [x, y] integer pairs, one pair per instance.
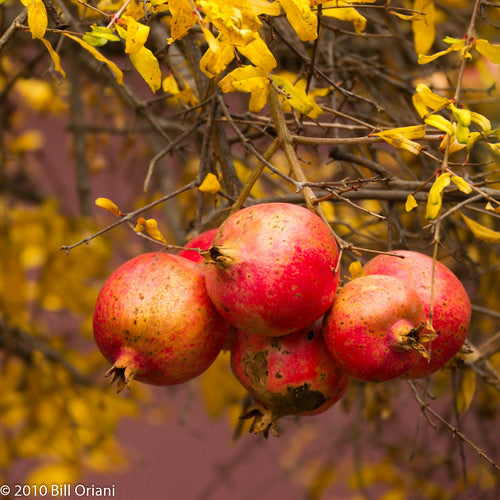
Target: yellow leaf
{"points": [[59, 473], [141, 225], [258, 98], [55, 57], [488, 50], [217, 56], [462, 116], [31, 140], [423, 27], [345, 14], [112, 66], [297, 97], [462, 133], [434, 199], [264, 7], [210, 184], [462, 184], [481, 232], [411, 203], [441, 123], [37, 17], [148, 67], [258, 53], [481, 120], [109, 206], [302, 19], [169, 85], [401, 137], [356, 270], [182, 20], [489, 206], [136, 35], [455, 46], [454, 145], [151, 227], [245, 79], [322, 479], [466, 390], [425, 98]]}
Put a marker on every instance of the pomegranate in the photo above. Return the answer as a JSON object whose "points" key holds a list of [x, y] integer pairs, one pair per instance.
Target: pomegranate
{"points": [[289, 375], [272, 268], [451, 305], [203, 241], [154, 321], [373, 328]]}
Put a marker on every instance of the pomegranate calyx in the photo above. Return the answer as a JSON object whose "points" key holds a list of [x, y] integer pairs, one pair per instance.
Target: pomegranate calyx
{"points": [[263, 421], [218, 256], [121, 376]]}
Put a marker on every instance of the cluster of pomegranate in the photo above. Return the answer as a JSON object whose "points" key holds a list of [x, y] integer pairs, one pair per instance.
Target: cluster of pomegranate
{"points": [[264, 285]]}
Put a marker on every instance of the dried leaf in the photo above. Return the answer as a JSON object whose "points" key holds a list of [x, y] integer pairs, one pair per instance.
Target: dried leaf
{"points": [[481, 232]]}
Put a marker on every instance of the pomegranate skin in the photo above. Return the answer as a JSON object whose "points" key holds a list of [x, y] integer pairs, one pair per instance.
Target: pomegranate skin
{"points": [[202, 241], [154, 321], [451, 310], [272, 269], [373, 328], [289, 375]]}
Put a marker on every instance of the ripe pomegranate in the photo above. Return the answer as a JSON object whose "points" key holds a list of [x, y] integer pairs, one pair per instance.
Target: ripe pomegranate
{"points": [[154, 321], [451, 305], [289, 375], [272, 268], [373, 328], [203, 241]]}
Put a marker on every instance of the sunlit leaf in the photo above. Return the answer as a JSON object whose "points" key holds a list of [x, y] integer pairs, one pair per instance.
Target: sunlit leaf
{"points": [[182, 20], [452, 144], [245, 79], [489, 206], [331, 9], [217, 56], [462, 133], [462, 116], [411, 203], [455, 46], [99, 36], [303, 20], [37, 17], [481, 120], [481, 232], [210, 184], [435, 199], [425, 98], [488, 50], [112, 66], [108, 205], [423, 26]]}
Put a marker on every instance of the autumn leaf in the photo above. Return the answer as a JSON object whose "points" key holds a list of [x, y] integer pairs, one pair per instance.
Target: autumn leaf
{"points": [[466, 391], [37, 17], [217, 56], [435, 198], [356, 270], [456, 45], [136, 35], [481, 232], [425, 98], [56, 60], [461, 183], [441, 123], [210, 184], [302, 19], [258, 53], [401, 137], [111, 65], [297, 97], [488, 50], [411, 203], [109, 206], [423, 25], [182, 20], [334, 9], [99, 36], [148, 67], [151, 228]]}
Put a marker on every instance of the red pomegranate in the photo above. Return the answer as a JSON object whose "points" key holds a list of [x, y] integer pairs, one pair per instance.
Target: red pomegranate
{"points": [[154, 321], [451, 305], [289, 375], [373, 328], [203, 241], [272, 269]]}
